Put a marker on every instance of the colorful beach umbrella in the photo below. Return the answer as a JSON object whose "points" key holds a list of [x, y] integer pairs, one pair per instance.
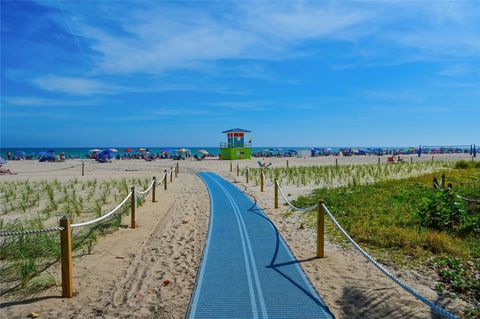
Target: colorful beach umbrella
{"points": [[183, 150], [95, 150], [114, 150], [203, 152], [127, 150], [141, 149]]}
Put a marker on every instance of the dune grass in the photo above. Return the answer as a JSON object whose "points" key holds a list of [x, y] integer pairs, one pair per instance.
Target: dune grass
{"points": [[331, 176], [388, 219], [25, 260]]}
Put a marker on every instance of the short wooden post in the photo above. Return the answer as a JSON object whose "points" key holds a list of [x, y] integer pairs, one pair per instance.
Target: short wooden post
{"points": [[443, 181], [238, 170], [320, 230], [66, 257], [246, 174], [276, 193], [165, 181], [178, 169], [231, 167], [83, 169], [171, 176], [153, 188], [379, 160], [261, 180], [132, 208], [287, 163], [432, 158], [411, 159], [336, 163]]}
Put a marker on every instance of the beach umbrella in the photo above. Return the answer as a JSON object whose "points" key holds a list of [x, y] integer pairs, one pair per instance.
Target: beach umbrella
{"points": [[42, 153], [203, 152], [168, 150], [127, 150], [183, 150], [94, 150], [141, 149], [2, 161], [114, 150], [20, 153]]}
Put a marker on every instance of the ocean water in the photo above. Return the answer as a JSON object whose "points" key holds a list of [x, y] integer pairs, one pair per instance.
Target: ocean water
{"points": [[82, 152]]}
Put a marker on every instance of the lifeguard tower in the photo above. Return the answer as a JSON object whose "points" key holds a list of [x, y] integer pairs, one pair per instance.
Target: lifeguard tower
{"points": [[235, 148]]}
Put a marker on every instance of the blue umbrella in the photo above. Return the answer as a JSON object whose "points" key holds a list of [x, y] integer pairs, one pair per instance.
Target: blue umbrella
{"points": [[2, 161], [42, 153], [20, 153]]}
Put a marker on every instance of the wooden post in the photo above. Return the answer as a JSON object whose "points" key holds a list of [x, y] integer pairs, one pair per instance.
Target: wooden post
{"points": [[320, 231], [435, 182], [379, 160], [276, 193], [287, 163], [171, 176], [443, 181], [66, 257], [261, 180], [231, 167], [178, 169], [83, 169], [132, 208], [336, 163], [153, 188], [411, 159], [165, 181], [238, 170], [432, 158], [247, 175]]}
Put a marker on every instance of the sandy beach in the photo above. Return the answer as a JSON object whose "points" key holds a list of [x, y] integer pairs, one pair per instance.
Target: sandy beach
{"points": [[149, 272]]}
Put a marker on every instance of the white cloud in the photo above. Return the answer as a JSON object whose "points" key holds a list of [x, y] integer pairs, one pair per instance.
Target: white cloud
{"points": [[74, 85], [39, 101]]}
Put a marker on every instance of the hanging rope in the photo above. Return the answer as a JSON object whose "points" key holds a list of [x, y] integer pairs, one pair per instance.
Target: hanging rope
{"points": [[409, 289], [104, 216], [291, 205], [30, 232]]}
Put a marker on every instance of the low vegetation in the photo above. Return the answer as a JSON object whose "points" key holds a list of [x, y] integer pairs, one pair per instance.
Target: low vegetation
{"points": [[25, 260], [408, 223], [331, 176]]}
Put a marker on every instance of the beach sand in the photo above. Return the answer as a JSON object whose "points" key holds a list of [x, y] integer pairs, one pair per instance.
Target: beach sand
{"points": [[149, 272]]}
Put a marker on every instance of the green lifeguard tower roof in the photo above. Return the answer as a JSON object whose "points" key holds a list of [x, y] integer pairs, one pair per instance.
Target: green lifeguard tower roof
{"points": [[237, 130]]}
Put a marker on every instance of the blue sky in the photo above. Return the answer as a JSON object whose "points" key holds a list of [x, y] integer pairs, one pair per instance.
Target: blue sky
{"points": [[86, 73]]}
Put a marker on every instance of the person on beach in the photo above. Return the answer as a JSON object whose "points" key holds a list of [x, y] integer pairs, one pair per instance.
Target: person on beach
{"points": [[4, 171], [9, 155]]}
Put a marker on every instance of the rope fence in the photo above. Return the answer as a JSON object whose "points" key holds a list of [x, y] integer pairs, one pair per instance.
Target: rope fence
{"points": [[30, 232], [442, 188], [402, 284], [65, 227]]}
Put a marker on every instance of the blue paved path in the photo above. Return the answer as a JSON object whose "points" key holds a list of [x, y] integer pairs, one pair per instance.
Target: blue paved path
{"points": [[247, 270]]}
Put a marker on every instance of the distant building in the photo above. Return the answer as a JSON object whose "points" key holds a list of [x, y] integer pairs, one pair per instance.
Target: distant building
{"points": [[235, 148]]}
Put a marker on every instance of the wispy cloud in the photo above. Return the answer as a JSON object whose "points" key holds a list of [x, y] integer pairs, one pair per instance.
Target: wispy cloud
{"points": [[40, 101], [75, 85]]}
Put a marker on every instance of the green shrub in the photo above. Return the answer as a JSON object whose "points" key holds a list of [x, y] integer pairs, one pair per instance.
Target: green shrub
{"points": [[443, 211]]}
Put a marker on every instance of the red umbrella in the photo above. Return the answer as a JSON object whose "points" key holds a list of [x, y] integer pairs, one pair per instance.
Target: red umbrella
{"points": [[127, 150]]}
